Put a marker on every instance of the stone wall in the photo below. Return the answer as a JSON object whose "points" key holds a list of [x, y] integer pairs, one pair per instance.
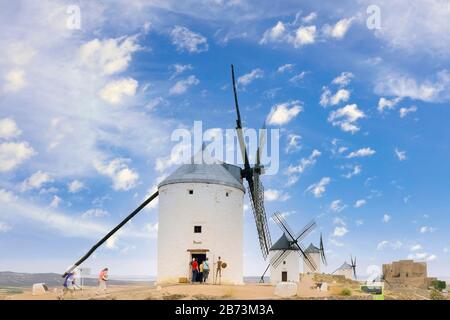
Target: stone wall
{"points": [[407, 273]]}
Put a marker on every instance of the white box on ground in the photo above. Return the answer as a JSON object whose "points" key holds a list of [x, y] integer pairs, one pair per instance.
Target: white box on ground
{"points": [[286, 289], [39, 289]]}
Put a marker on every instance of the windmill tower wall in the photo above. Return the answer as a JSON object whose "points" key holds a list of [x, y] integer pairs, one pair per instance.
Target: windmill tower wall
{"points": [[290, 266], [347, 273], [211, 204], [315, 257]]}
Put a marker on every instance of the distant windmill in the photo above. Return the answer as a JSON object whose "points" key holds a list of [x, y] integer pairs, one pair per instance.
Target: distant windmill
{"points": [[353, 265], [317, 255], [322, 252], [286, 244], [220, 174], [347, 270]]}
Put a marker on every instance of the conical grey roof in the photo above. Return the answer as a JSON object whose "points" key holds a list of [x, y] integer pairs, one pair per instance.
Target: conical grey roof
{"points": [[218, 173], [345, 265], [312, 249], [282, 244]]}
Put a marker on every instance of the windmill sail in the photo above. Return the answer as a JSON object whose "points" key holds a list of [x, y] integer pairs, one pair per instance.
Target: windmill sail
{"points": [[110, 234], [322, 251], [294, 240], [252, 175]]}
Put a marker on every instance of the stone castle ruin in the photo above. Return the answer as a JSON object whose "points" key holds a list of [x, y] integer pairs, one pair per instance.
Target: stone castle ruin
{"points": [[407, 273]]}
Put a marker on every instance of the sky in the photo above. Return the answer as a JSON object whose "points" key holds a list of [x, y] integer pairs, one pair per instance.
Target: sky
{"points": [[91, 91]]}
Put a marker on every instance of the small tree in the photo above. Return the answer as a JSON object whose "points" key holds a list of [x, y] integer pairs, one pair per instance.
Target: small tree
{"points": [[439, 285]]}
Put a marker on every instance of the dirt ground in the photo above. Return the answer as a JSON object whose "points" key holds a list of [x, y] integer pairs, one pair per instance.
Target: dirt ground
{"points": [[307, 289]]}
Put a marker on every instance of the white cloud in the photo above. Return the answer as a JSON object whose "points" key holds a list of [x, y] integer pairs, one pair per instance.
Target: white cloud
{"points": [[56, 201], [339, 30], [181, 86], [403, 112], [346, 118], [284, 112], [359, 222], [285, 68], [115, 91], [275, 195], [179, 69], [304, 36], [304, 163], [14, 80], [250, 77], [274, 34], [36, 181], [9, 129], [6, 196], [386, 218], [75, 186], [327, 98], [293, 143], [340, 231], [4, 227], [12, 154], [364, 152], [319, 188], [180, 153], [422, 256], [109, 56], [343, 79], [385, 103], [336, 243], [426, 229], [95, 213], [284, 33], [403, 86], [187, 40], [156, 102], [298, 77], [416, 247], [339, 221], [310, 17], [337, 206], [395, 245], [122, 176], [359, 203], [355, 170], [401, 155], [151, 229], [400, 28]]}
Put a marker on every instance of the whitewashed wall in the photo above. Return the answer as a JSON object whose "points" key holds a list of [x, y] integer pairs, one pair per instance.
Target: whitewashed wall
{"points": [[348, 273], [221, 219], [316, 258], [292, 266]]}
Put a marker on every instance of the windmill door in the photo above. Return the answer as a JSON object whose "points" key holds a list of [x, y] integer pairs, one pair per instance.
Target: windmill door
{"points": [[284, 276]]}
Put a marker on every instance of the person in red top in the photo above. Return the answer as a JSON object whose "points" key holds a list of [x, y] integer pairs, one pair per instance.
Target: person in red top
{"points": [[194, 267], [102, 278]]}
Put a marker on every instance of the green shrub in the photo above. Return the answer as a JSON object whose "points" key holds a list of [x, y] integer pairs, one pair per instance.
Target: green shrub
{"points": [[436, 295], [439, 285], [346, 292]]}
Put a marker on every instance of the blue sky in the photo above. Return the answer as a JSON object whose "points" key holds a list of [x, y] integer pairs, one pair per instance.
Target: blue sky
{"points": [[86, 116]]}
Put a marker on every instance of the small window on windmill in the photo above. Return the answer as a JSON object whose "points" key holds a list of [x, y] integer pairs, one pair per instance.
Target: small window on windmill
{"points": [[227, 194], [190, 191], [197, 229], [284, 262]]}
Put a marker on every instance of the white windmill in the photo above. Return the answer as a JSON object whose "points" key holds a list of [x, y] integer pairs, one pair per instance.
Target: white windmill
{"points": [[201, 214]]}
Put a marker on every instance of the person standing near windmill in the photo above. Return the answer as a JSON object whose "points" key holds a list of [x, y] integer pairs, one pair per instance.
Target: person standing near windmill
{"points": [[102, 278], [194, 267], [205, 269], [219, 270]]}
